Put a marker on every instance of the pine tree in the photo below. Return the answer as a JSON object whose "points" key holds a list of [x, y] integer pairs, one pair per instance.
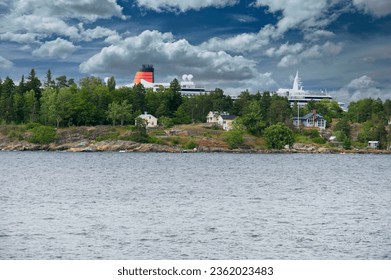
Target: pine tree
{"points": [[22, 86], [33, 83], [49, 83], [111, 84]]}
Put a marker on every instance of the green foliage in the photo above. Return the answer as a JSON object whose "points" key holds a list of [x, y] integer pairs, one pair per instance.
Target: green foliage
{"points": [[175, 141], [343, 125], [345, 139], [33, 83], [347, 143], [312, 133], [363, 110], [252, 120], [234, 138], [280, 110], [111, 84], [42, 134], [329, 109], [190, 145], [340, 135], [252, 123], [121, 112], [61, 102], [181, 116], [207, 134], [166, 122], [318, 140], [139, 133], [372, 131], [278, 135], [13, 131]]}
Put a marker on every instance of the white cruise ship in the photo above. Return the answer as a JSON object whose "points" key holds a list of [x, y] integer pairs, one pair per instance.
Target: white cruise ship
{"points": [[298, 95]]}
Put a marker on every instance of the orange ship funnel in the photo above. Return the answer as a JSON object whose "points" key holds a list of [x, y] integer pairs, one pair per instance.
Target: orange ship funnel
{"points": [[146, 73]]}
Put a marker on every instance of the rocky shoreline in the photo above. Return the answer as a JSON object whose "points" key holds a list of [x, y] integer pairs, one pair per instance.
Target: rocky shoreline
{"points": [[130, 146]]}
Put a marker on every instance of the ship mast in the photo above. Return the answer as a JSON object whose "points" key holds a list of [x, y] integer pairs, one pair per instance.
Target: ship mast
{"points": [[297, 83]]}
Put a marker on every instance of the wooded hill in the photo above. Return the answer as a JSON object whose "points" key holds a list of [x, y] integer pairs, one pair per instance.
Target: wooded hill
{"points": [[60, 102]]}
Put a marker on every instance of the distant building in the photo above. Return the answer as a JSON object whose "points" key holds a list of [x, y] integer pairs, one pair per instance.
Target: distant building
{"points": [[226, 121], [151, 120], [311, 120], [212, 117], [297, 95], [373, 144]]}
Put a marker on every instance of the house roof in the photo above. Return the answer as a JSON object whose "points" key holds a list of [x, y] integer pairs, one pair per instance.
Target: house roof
{"points": [[309, 115], [146, 115], [227, 117]]}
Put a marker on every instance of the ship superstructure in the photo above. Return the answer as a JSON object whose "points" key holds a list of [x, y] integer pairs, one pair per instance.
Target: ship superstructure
{"points": [[298, 95], [146, 77], [146, 73]]}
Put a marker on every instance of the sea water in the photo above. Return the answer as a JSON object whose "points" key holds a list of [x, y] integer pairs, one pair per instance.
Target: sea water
{"points": [[194, 206]]}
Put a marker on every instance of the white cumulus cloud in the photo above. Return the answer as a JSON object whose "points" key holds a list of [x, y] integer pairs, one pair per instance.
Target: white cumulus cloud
{"points": [[44, 25], [245, 42], [57, 48], [294, 54], [81, 9], [296, 13], [24, 38], [174, 57], [359, 88], [317, 34], [378, 8], [5, 63], [182, 5], [97, 33], [32, 21], [285, 49]]}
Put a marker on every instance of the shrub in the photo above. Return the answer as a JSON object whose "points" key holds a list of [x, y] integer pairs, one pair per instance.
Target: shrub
{"points": [[313, 133], [347, 143], [139, 133], [278, 135], [166, 122], [175, 141], [190, 145], [234, 138], [13, 134], [154, 140], [42, 134], [318, 140]]}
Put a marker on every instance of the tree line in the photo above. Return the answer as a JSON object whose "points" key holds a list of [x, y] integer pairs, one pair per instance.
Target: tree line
{"points": [[61, 102]]}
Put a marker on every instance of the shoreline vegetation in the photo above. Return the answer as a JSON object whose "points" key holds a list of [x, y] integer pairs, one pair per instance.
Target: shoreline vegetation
{"points": [[96, 115], [191, 138]]}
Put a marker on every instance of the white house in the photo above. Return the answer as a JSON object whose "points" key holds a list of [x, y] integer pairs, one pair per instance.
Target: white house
{"points": [[226, 121], [151, 120], [373, 144], [212, 117], [312, 119]]}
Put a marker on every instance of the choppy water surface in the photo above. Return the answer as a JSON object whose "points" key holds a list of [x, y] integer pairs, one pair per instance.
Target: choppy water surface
{"points": [[194, 206]]}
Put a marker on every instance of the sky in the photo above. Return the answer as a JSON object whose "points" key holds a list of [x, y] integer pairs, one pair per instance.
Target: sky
{"points": [[339, 46]]}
